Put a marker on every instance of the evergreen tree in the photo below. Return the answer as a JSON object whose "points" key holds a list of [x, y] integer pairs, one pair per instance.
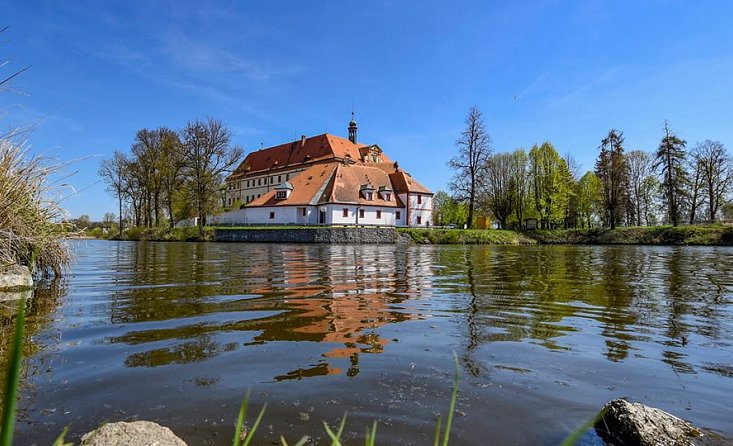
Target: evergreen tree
{"points": [[613, 175], [670, 160]]}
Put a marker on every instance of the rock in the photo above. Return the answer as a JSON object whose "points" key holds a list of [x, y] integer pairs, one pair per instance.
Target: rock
{"points": [[625, 423], [15, 295], [15, 278], [138, 433]]}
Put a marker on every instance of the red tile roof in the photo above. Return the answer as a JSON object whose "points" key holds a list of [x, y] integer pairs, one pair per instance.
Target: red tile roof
{"points": [[299, 152], [308, 187]]}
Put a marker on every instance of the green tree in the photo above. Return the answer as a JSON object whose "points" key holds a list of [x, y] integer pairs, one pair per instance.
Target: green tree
{"points": [[551, 185], [448, 211], [519, 184], [670, 159], [612, 172], [474, 148], [589, 198]]}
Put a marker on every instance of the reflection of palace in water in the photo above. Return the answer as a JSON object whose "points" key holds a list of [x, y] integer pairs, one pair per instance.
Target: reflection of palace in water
{"points": [[337, 296]]}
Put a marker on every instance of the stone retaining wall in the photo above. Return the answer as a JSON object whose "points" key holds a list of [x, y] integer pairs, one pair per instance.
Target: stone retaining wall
{"points": [[309, 235]]}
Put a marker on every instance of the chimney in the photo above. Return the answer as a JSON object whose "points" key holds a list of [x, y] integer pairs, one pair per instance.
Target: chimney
{"points": [[302, 141]]}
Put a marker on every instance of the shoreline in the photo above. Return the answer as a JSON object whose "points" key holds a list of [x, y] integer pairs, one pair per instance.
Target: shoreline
{"points": [[697, 235]]}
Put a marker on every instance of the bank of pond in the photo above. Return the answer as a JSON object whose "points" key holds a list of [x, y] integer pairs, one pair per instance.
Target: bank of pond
{"points": [[701, 235]]}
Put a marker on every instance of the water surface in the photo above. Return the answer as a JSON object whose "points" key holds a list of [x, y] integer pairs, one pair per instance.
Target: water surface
{"points": [[177, 332]]}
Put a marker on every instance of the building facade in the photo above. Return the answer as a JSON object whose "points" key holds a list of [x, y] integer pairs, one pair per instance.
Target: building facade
{"points": [[325, 180]]}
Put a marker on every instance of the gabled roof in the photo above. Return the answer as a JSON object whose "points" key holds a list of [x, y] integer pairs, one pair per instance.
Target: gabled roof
{"points": [[403, 182], [346, 184], [305, 151]]}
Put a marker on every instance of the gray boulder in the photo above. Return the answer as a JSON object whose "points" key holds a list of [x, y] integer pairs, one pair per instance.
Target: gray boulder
{"points": [[137, 433], [15, 278], [625, 423]]}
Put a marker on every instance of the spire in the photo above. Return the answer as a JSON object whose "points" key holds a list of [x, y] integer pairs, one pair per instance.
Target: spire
{"points": [[352, 129]]}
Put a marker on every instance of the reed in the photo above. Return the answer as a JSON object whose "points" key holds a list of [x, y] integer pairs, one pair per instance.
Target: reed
{"points": [[31, 232]]}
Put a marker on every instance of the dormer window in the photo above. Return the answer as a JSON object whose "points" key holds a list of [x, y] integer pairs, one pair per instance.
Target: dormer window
{"points": [[282, 191], [385, 192], [367, 191]]}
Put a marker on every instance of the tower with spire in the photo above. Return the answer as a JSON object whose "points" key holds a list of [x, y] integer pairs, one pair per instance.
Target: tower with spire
{"points": [[352, 129]]}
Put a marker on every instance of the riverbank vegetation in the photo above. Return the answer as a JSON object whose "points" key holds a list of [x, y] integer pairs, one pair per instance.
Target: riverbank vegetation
{"points": [[671, 185], [466, 236], [638, 235]]}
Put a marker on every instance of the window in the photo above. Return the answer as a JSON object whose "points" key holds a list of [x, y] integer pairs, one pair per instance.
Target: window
{"points": [[302, 212], [281, 195], [419, 219], [397, 215], [346, 212], [258, 195], [370, 196], [272, 216], [247, 183], [279, 178], [272, 180], [287, 177], [361, 213], [230, 202], [419, 199], [388, 197], [379, 214], [259, 181]]}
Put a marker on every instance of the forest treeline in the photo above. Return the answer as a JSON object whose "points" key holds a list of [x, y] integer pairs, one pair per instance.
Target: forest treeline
{"points": [[171, 175], [673, 184]]}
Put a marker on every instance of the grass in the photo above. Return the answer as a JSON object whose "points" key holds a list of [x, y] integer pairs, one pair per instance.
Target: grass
{"points": [[29, 234], [466, 236]]}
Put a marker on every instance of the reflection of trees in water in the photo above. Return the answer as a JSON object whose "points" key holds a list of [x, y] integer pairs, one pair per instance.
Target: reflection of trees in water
{"points": [[317, 293], [514, 294], [616, 264]]}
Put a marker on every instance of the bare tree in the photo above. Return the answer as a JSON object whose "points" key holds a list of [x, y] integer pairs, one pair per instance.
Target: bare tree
{"points": [[716, 168], [474, 148], [638, 166], [497, 193], [695, 184], [208, 154], [112, 171]]}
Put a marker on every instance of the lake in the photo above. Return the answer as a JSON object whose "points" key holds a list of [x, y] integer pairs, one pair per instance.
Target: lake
{"points": [[178, 332]]}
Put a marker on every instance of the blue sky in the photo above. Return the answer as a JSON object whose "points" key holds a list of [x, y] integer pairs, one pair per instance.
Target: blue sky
{"points": [[275, 70]]}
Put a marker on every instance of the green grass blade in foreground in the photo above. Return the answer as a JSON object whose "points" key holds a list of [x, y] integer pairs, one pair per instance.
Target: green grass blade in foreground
{"points": [[252, 431], [575, 435], [453, 398], [371, 437], [60, 441], [240, 419], [336, 437], [13, 377]]}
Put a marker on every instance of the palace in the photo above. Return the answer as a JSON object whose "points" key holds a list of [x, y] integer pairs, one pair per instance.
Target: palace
{"points": [[325, 180]]}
